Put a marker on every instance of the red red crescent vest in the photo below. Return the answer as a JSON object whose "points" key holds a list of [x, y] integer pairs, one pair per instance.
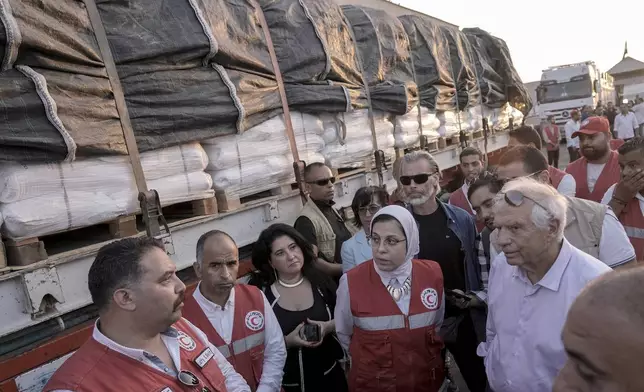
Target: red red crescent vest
{"points": [[633, 222], [246, 349], [609, 176], [556, 176], [459, 199], [552, 131], [95, 367], [391, 352], [616, 143]]}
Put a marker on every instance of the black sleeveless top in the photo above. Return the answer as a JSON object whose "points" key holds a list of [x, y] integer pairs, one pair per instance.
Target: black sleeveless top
{"points": [[316, 361]]}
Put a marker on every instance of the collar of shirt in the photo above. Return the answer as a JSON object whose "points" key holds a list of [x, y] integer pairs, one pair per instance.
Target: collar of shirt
{"points": [[400, 274], [552, 279], [169, 337], [208, 306], [324, 203]]}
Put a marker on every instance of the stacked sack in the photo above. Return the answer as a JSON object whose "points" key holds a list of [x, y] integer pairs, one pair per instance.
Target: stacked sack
{"points": [[42, 199], [407, 131], [348, 138], [261, 158]]}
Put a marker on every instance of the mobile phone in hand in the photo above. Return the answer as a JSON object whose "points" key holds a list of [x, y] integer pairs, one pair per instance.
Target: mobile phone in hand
{"points": [[311, 333]]}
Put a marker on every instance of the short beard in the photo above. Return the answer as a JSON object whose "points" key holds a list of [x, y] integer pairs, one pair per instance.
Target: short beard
{"points": [[595, 156], [417, 201]]}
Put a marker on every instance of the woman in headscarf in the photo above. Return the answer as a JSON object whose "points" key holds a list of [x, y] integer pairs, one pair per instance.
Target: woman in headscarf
{"points": [[389, 311]]}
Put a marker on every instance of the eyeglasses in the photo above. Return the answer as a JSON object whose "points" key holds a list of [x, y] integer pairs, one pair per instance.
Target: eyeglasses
{"points": [[516, 199], [418, 178], [372, 209], [323, 182], [190, 380], [389, 241]]}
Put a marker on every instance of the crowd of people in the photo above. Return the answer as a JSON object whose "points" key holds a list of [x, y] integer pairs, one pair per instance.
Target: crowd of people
{"points": [[512, 277]]}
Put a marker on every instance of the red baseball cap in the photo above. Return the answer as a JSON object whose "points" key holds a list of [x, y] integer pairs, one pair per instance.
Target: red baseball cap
{"points": [[593, 125]]}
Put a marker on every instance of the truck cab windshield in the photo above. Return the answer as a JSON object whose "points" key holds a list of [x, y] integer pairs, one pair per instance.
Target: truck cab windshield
{"points": [[565, 91]]}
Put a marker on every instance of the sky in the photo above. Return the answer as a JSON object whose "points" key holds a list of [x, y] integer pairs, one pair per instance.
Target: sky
{"points": [[545, 33]]}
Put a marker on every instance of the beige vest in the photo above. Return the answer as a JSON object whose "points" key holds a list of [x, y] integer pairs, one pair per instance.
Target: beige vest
{"points": [[584, 220], [323, 230]]}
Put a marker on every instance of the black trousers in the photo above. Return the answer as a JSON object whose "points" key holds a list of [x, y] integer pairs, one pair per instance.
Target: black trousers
{"points": [[471, 365], [553, 158], [574, 154]]}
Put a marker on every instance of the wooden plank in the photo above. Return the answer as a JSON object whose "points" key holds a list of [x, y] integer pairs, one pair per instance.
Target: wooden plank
{"points": [[25, 252], [123, 226]]}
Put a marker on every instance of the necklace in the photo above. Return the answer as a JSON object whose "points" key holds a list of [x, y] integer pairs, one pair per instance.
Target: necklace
{"points": [[397, 292], [291, 285]]}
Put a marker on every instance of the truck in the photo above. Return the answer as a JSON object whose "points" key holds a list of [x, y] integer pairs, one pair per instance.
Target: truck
{"points": [[46, 310], [564, 88]]}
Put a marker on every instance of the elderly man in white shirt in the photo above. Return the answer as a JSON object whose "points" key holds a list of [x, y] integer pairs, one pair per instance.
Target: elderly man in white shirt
{"points": [[571, 127], [625, 123], [237, 318], [532, 285]]}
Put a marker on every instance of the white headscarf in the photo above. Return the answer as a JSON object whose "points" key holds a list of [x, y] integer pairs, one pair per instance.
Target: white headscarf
{"points": [[410, 227]]}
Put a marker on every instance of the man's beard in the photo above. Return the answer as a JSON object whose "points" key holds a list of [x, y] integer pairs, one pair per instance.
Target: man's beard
{"points": [[594, 154], [419, 200]]}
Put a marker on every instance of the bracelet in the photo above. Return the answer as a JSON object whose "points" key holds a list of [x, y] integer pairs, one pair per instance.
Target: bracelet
{"points": [[618, 200]]}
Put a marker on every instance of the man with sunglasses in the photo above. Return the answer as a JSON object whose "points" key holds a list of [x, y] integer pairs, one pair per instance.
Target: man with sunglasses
{"points": [[471, 167], [320, 223], [448, 236], [140, 342], [598, 168], [532, 285], [560, 180], [590, 227]]}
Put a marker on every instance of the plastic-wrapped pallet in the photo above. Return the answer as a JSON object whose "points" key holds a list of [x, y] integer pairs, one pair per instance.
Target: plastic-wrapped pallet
{"points": [[452, 123], [260, 158], [44, 199], [499, 118], [348, 138], [407, 131]]}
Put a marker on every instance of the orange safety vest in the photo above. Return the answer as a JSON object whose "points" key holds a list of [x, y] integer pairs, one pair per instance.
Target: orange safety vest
{"points": [[95, 367], [391, 352], [609, 176], [246, 349]]}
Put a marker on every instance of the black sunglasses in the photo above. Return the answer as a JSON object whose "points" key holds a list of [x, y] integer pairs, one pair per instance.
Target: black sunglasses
{"points": [[418, 178], [323, 182], [190, 380], [372, 209], [516, 198]]}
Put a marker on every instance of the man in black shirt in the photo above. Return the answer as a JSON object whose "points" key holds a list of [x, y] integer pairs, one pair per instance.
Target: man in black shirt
{"points": [[320, 223], [610, 113], [448, 236]]}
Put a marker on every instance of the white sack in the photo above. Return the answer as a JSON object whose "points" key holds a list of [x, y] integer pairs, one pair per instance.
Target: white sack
{"points": [[407, 131]]}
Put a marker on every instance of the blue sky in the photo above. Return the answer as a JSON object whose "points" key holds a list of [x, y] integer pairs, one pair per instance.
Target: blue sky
{"points": [[550, 32]]}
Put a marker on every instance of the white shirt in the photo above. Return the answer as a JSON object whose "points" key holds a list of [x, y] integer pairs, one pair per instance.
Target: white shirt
{"points": [[222, 319], [615, 248], [609, 195], [639, 112], [593, 171], [344, 317], [568, 186], [523, 350], [234, 381], [571, 127], [625, 125]]}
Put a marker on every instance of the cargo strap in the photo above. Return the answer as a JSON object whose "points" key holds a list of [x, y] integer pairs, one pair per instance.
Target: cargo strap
{"points": [[155, 224], [298, 164], [379, 155]]}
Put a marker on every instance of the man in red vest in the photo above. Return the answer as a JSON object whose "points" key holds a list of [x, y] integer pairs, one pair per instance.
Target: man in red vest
{"points": [[598, 168], [626, 198], [528, 136], [552, 136], [237, 318], [140, 342], [471, 166]]}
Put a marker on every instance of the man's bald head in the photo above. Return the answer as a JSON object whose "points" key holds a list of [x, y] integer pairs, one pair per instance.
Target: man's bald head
{"points": [[603, 337]]}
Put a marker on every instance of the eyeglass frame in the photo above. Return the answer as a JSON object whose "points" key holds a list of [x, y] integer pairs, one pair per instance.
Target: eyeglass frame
{"points": [[372, 243], [411, 178]]}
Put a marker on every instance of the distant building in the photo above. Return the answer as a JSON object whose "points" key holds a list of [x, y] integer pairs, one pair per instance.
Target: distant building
{"points": [[628, 73], [390, 8]]}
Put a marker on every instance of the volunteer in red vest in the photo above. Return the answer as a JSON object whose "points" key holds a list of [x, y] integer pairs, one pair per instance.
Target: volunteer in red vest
{"points": [[237, 318], [598, 168], [527, 136], [626, 197], [552, 136], [389, 311], [471, 166], [140, 342]]}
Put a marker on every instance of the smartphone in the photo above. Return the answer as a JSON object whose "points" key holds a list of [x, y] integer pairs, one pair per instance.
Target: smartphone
{"points": [[457, 295], [310, 332]]}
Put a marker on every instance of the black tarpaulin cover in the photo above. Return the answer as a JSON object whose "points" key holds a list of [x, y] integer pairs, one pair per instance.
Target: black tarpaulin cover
{"points": [[490, 82], [384, 50], [432, 62], [463, 67], [499, 55]]}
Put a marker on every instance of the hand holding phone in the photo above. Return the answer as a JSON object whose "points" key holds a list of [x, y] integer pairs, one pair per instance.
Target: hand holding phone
{"points": [[311, 333]]}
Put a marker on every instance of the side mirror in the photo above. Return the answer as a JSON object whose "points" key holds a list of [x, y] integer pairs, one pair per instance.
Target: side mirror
{"points": [[596, 86], [540, 92]]}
